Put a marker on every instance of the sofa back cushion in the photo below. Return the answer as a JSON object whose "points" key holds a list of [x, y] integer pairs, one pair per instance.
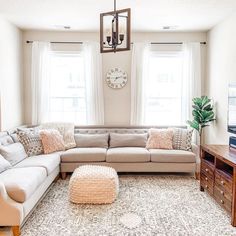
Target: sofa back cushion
{"points": [[127, 140], [91, 140], [5, 139], [13, 153], [4, 164], [160, 139]]}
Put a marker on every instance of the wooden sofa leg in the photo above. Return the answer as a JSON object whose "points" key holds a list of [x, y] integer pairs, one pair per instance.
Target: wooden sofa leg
{"points": [[63, 175], [16, 230], [197, 175]]}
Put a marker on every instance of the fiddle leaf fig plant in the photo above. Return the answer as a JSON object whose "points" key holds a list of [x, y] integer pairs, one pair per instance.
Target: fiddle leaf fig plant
{"points": [[203, 114]]}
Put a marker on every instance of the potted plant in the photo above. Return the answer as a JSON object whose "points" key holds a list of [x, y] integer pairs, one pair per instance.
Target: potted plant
{"points": [[202, 113]]}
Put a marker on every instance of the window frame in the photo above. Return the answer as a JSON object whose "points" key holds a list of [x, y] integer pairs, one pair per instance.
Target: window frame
{"points": [[61, 54], [174, 53]]}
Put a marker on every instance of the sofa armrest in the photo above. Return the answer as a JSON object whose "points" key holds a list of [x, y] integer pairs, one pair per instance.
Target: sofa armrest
{"points": [[196, 151], [11, 213]]}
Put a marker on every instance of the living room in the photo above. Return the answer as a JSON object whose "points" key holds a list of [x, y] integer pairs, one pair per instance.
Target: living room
{"points": [[117, 117]]}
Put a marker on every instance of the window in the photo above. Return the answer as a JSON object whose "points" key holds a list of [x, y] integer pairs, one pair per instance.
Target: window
{"points": [[164, 89], [67, 93]]}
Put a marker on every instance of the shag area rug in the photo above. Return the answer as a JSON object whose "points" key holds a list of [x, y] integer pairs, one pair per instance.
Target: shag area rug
{"points": [[146, 205]]}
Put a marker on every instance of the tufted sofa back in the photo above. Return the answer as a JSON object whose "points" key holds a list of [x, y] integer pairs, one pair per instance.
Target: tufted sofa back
{"points": [[110, 129], [9, 137]]}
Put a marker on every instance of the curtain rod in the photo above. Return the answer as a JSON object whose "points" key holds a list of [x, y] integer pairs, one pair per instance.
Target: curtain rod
{"points": [[175, 43], [59, 42]]}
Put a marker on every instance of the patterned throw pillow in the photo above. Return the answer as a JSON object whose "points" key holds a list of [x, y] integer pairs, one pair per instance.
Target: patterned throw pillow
{"points": [[182, 139], [31, 142], [160, 139], [52, 141]]}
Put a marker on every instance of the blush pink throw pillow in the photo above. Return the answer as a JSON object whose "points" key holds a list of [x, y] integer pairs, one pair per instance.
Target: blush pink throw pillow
{"points": [[160, 139], [52, 141]]}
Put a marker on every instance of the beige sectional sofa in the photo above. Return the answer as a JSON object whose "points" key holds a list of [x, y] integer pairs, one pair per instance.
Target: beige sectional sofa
{"points": [[23, 184]]}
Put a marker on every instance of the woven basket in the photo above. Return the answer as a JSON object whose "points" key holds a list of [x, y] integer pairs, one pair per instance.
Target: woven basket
{"points": [[92, 184]]}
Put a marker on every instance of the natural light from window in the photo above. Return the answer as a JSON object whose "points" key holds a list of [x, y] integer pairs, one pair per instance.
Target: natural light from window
{"points": [[67, 88], [164, 90]]}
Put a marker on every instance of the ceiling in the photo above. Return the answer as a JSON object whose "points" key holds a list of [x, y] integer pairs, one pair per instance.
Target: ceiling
{"points": [[147, 15]]}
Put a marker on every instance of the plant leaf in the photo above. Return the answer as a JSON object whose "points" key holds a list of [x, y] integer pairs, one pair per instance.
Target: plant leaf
{"points": [[194, 124]]}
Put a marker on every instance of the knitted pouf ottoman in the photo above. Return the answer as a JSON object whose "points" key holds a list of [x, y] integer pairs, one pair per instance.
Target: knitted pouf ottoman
{"points": [[92, 184]]}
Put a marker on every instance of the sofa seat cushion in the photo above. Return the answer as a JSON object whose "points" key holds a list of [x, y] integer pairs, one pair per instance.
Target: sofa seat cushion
{"points": [[128, 154], [21, 183], [172, 156], [48, 161], [84, 155]]}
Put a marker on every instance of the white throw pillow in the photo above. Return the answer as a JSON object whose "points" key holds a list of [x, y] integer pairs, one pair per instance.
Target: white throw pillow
{"points": [[65, 129], [13, 153]]}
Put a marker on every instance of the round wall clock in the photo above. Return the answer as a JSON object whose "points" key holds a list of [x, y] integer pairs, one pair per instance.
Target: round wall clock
{"points": [[116, 78]]}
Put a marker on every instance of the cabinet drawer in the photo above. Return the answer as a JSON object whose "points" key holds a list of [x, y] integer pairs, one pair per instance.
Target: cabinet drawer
{"points": [[222, 199], [207, 169], [223, 192], [207, 183], [223, 182]]}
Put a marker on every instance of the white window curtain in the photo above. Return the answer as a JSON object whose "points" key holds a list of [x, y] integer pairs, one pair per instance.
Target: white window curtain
{"points": [[139, 76], [192, 76], [40, 69], [94, 83], [191, 86]]}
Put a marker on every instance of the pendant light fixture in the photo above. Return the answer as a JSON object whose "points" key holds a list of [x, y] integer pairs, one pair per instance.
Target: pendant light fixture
{"points": [[115, 30]]}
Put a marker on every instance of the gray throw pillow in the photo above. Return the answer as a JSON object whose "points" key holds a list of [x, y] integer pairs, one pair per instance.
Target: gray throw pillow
{"points": [[92, 140], [31, 142], [128, 140], [13, 153], [4, 164], [182, 139]]}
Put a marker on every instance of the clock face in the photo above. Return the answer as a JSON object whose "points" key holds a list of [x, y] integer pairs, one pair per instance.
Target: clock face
{"points": [[116, 78]]}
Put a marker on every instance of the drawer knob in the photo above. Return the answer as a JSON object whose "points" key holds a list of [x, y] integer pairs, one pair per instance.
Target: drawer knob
{"points": [[206, 178], [206, 186], [222, 182], [222, 192], [207, 170], [222, 201]]}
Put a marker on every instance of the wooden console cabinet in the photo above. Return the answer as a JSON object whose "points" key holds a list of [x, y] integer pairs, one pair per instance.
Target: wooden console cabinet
{"points": [[218, 176]]}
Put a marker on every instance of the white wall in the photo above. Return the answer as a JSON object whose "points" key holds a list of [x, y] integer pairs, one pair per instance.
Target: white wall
{"points": [[221, 69], [117, 102], [10, 76]]}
